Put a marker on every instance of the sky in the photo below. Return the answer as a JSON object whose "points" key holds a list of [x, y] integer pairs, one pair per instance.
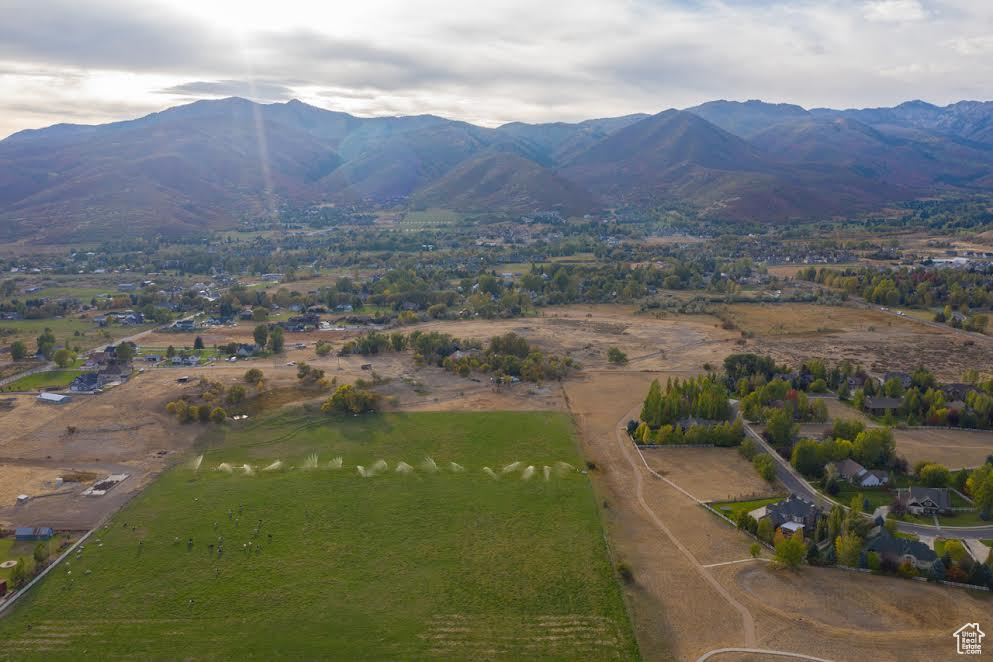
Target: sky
{"points": [[92, 61]]}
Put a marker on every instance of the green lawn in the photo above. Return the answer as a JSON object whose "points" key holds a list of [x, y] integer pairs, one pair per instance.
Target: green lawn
{"points": [[969, 518], [11, 550], [446, 565], [731, 509], [42, 380], [877, 497]]}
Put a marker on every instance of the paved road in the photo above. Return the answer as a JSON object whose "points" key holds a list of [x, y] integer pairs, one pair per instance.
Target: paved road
{"points": [[797, 484]]}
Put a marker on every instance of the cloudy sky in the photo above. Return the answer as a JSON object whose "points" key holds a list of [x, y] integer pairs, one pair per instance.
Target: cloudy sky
{"points": [[485, 62]]}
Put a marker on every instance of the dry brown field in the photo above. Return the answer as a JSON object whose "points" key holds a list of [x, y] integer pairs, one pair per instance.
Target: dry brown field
{"points": [[878, 341], [710, 474], [953, 448]]}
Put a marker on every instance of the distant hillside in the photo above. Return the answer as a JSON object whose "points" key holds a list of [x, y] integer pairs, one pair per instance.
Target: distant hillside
{"points": [[210, 164], [505, 181]]}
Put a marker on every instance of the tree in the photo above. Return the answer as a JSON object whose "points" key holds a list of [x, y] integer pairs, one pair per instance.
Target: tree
{"points": [[18, 574], [235, 394], [652, 409], [198, 343], [203, 413], [806, 457], [253, 376], [847, 549], [748, 449], [755, 549], [18, 350], [873, 447], [276, 341], [764, 530], [259, 314], [780, 428], [616, 356], [765, 466], [935, 475], [348, 399], [125, 352], [261, 334], [63, 358], [218, 415], [46, 343], [170, 351], [955, 550], [40, 553], [323, 348], [980, 487], [790, 551]]}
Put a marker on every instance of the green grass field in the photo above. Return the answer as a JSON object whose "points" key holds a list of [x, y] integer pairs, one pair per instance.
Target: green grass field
{"points": [[731, 509], [43, 380], [422, 565]]}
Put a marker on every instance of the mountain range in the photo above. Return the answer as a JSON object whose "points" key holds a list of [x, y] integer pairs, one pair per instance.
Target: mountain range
{"points": [[209, 164]]}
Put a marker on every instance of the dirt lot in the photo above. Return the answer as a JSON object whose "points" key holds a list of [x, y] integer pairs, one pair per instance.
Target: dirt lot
{"points": [[710, 474], [953, 448], [15, 480]]}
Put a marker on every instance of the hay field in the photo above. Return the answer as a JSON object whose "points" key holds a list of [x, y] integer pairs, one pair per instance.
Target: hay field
{"points": [[409, 565]]}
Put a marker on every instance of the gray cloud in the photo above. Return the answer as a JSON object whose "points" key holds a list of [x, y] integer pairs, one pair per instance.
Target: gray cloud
{"points": [[255, 90], [490, 62]]}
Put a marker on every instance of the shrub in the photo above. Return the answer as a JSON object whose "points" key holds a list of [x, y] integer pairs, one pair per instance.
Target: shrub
{"points": [[765, 466], [616, 356], [625, 572], [253, 376]]}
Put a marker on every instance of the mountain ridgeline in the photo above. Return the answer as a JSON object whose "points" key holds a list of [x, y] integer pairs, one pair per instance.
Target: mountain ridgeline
{"points": [[210, 164]]}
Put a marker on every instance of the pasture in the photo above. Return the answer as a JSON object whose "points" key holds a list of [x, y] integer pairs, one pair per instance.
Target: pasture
{"points": [[418, 560]]}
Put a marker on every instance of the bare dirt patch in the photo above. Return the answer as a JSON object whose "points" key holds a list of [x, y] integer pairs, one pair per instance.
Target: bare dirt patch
{"points": [[30, 480], [710, 474]]}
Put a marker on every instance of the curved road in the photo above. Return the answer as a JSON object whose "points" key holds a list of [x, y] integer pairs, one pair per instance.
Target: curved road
{"points": [[797, 484]]}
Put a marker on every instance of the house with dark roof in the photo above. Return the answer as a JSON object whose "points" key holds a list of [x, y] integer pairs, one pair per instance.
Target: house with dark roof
{"points": [[793, 511], [924, 500], [957, 391], [879, 405], [899, 550], [86, 383]]}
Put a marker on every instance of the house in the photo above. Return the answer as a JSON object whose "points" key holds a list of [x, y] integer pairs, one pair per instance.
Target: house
{"points": [[924, 500], [899, 550], [33, 534], [246, 315], [116, 372], [86, 383], [184, 325], [878, 406], [856, 474], [957, 391], [795, 510], [53, 398]]}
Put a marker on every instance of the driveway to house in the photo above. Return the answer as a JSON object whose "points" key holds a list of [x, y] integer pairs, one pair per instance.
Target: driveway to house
{"points": [[797, 484]]}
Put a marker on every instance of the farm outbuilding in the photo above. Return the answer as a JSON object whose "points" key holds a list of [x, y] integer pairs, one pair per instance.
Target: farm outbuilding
{"points": [[53, 398], [32, 534]]}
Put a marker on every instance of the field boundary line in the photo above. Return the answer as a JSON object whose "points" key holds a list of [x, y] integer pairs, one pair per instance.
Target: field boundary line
{"points": [[799, 656], [748, 621]]}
